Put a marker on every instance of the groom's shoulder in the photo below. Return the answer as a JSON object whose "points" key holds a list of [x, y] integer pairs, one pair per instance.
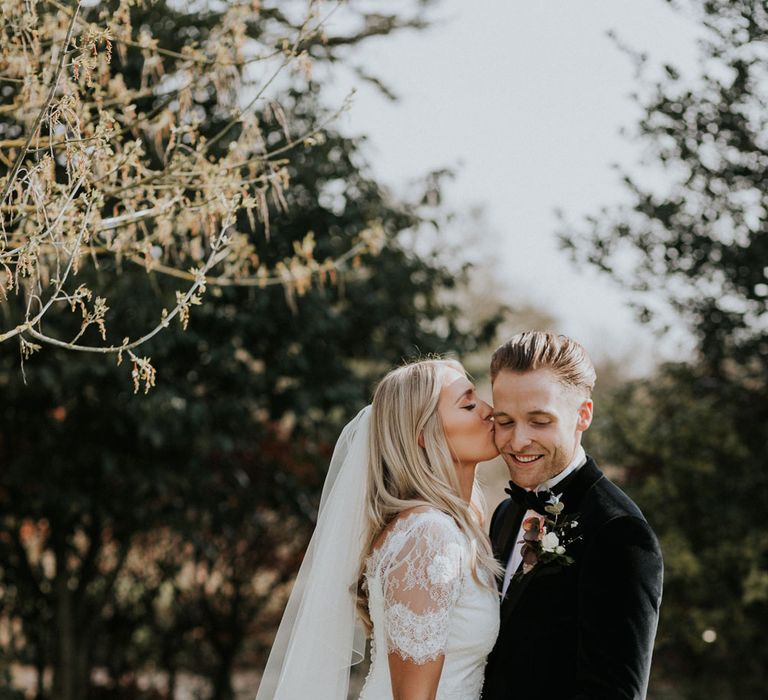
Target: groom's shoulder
{"points": [[608, 500], [612, 520]]}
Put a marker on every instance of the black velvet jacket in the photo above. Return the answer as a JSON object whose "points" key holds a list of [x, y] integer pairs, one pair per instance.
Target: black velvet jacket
{"points": [[585, 630]]}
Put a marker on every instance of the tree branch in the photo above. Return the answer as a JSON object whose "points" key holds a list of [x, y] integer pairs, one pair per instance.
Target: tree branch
{"points": [[218, 252], [60, 68], [75, 251]]}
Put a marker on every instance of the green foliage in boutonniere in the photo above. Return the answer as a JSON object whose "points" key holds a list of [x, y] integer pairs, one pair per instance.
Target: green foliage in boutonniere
{"points": [[546, 538]]}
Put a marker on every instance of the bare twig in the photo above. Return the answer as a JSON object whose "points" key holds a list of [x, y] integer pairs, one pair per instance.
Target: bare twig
{"points": [[202, 60], [27, 325], [54, 84], [257, 281], [218, 252], [70, 197]]}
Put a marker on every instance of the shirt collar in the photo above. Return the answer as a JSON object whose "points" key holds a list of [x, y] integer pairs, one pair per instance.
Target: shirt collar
{"points": [[579, 459]]}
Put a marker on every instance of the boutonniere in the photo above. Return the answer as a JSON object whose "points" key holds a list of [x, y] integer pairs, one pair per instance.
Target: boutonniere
{"points": [[546, 538]]}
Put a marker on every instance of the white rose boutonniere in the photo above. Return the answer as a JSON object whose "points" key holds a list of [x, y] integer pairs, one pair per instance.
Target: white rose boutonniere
{"points": [[547, 538], [550, 542]]}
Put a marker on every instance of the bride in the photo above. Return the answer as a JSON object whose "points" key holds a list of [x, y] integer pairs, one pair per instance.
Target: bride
{"points": [[398, 554]]}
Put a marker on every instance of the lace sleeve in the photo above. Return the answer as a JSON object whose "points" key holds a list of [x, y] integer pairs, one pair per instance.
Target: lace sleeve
{"points": [[422, 583]]}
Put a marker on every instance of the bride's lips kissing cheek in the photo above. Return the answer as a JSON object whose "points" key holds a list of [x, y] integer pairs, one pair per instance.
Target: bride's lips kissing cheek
{"points": [[467, 420]]}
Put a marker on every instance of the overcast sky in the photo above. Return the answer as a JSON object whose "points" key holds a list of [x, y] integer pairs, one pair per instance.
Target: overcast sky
{"points": [[524, 100]]}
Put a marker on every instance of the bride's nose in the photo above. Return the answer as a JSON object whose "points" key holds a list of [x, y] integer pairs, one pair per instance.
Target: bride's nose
{"points": [[486, 410]]}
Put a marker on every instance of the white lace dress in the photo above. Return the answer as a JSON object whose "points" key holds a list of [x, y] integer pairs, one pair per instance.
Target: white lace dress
{"points": [[423, 602]]}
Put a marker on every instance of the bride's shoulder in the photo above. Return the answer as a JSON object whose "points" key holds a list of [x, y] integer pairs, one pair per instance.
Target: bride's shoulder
{"points": [[426, 514], [419, 521], [423, 516]]}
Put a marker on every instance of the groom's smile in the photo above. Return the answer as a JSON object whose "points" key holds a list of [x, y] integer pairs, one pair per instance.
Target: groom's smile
{"points": [[526, 459]]}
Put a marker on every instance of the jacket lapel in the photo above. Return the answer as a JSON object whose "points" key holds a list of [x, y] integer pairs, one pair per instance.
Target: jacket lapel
{"points": [[583, 481], [507, 534], [572, 498], [516, 588]]}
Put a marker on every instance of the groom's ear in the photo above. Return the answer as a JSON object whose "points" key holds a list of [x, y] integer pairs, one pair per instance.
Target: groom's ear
{"points": [[420, 440], [585, 415]]}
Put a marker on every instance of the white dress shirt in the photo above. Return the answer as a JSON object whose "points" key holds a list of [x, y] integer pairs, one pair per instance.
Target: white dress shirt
{"points": [[516, 556]]}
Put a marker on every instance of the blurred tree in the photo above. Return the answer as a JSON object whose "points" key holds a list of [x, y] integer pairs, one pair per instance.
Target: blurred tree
{"points": [[692, 452], [692, 439], [146, 154], [698, 237], [155, 532]]}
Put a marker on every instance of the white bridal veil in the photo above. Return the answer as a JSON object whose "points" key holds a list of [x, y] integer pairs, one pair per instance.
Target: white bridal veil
{"points": [[319, 637]]}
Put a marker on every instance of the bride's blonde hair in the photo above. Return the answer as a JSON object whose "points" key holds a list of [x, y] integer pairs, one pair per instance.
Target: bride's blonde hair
{"points": [[403, 475]]}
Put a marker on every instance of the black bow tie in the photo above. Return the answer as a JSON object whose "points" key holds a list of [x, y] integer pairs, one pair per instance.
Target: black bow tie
{"points": [[530, 500]]}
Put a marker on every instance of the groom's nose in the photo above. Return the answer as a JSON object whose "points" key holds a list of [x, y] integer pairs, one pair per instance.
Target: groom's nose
{"points": [[518, 439]]}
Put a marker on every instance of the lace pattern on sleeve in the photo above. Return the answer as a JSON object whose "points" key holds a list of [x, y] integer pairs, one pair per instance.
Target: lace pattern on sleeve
{"points": [[422, 575]]}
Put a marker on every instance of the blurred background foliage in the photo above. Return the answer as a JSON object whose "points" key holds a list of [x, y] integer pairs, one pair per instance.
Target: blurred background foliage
{"points": [[159, 532], [692, 439], [146, 539]]}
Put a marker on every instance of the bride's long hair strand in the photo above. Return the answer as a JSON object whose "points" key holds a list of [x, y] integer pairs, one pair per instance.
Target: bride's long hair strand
{"points": [[404, 475]]}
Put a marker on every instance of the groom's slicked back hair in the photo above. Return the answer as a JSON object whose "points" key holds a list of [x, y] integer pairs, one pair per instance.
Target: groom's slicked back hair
{"points": [[532, 350]]}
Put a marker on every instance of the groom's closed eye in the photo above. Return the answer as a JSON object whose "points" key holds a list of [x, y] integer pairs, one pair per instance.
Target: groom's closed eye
{"points": [[538, 422]]}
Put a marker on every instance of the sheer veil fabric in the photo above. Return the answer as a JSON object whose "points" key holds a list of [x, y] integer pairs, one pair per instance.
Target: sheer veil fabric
{"points": [[319, 637]]}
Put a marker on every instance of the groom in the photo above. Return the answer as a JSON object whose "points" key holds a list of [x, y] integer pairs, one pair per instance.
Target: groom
{"points": [[583, 569]]}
